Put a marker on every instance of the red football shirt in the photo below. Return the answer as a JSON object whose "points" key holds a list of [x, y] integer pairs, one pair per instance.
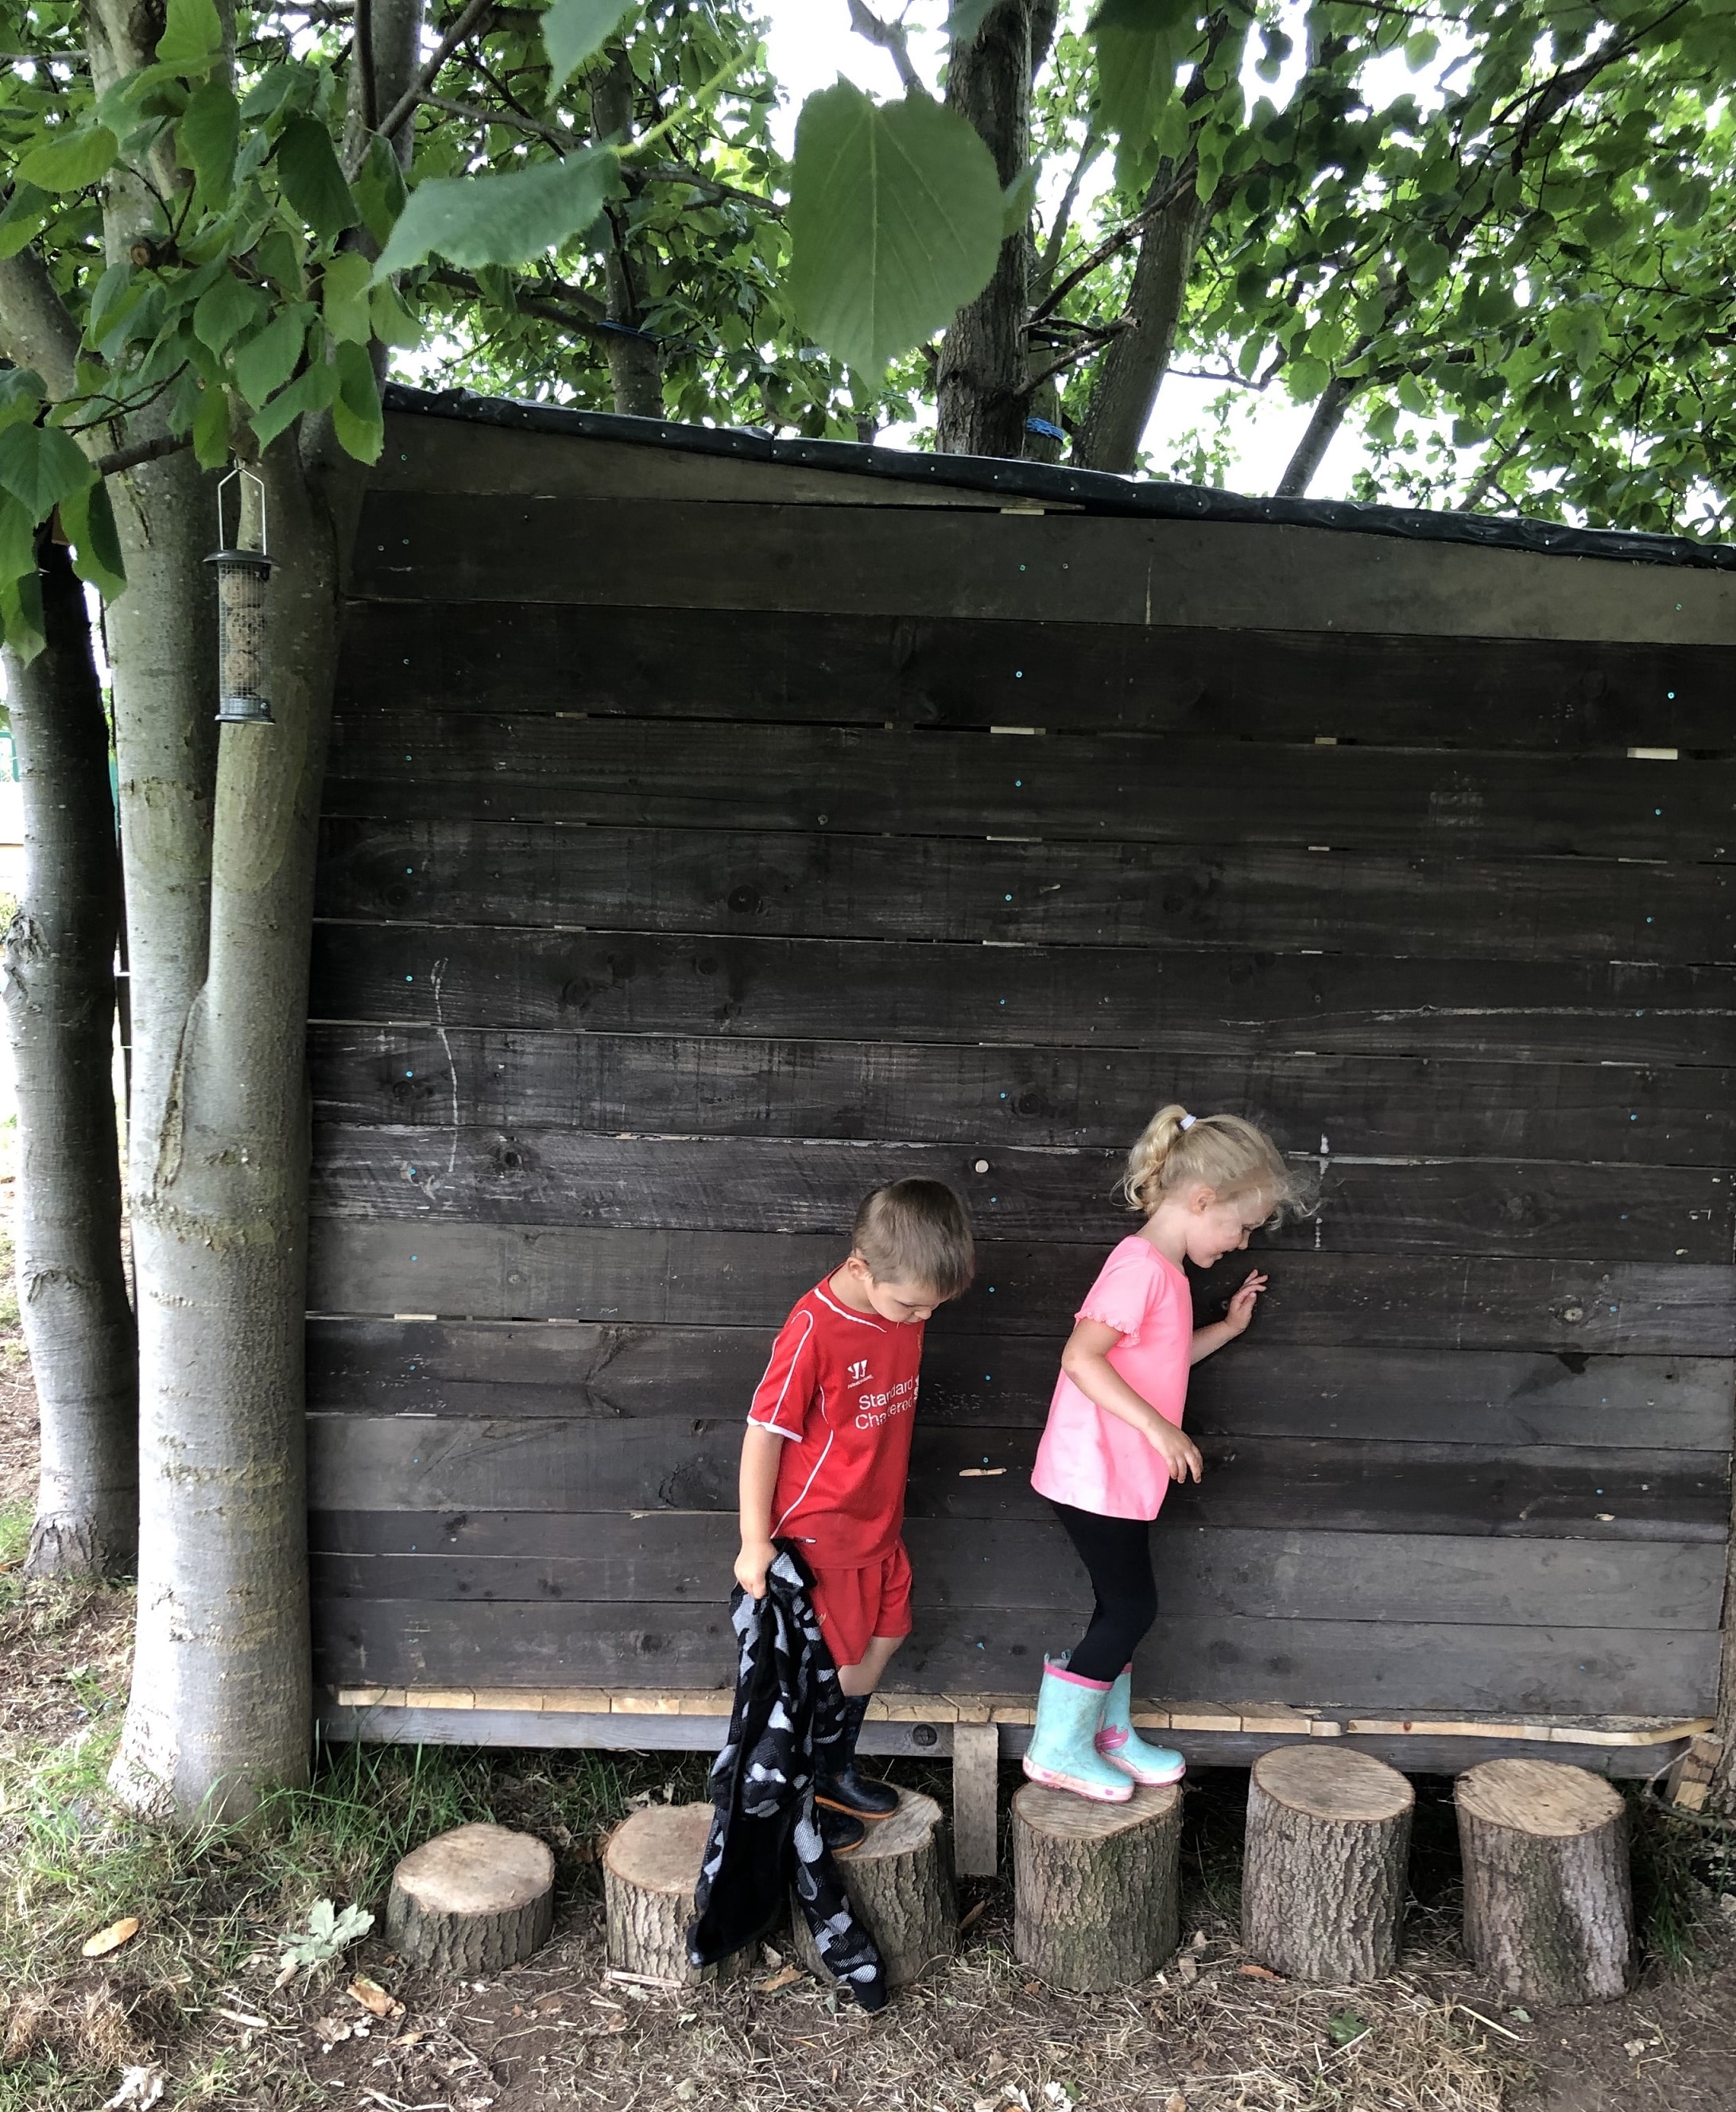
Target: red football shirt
{"points": [[840, 1388]]}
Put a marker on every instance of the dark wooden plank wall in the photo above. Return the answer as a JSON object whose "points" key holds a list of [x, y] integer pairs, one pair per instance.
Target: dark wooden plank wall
{"points": [[706, 841]]}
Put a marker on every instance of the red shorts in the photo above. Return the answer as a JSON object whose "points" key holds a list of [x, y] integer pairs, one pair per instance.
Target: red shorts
{"points": [[855, 1605]]}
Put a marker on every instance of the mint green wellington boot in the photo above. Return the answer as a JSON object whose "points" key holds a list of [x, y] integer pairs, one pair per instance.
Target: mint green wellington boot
{"points": [[1123, 1747], [1062, 1753]]}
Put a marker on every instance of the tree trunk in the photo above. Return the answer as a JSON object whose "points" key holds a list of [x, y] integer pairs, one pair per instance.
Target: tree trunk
{"points": [[636, 364], [476, 1900], [650, 1868], [221, 1698], [980, 379], [1323, 1883], [60, 1000], [1125, 391], [1321, 431], [1548, 1906], [1096, 1886], [900, 1884]]}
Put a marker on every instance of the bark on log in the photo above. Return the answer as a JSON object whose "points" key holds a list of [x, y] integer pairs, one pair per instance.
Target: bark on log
{"points": [[900, 1882], [1322, 1884], [650, 1868], [1095, 1898], [476, 1900], [1548, 1900]]}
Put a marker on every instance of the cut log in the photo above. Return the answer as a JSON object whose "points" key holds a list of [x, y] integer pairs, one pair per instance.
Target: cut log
{"points": [[899, 1883], [1322, 1881], [650, 1868], [476, 1900], [1096, 1886], [1548, 1899]]}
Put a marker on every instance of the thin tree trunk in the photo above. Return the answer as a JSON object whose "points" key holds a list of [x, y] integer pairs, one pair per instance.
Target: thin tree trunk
{"points": [[60, 1000], [1125, 392], [636, 364], [1322, 430], [981, 379], [221, 1700]]}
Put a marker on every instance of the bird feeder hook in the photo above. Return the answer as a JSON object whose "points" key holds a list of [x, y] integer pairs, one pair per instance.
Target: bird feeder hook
{"points": [[243, 655]]}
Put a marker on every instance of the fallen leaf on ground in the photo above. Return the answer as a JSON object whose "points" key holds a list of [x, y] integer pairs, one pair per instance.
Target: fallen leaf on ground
{"points": [[1175, 2102], [787, 1977], [374, 1998], [1634, 2048], [1258, 1972], [974, 1914], [109, 1939], [140, 2088], [331, 2031], [1189, 1971]]}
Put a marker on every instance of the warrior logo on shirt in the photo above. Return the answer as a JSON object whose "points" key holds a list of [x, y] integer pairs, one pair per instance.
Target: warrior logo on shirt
{"points": [[858, 1372]]}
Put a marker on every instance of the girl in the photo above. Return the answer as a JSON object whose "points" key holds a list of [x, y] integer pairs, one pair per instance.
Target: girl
{"points": [[1114, 1440]]}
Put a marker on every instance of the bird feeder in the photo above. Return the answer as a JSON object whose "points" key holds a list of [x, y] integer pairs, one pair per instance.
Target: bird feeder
{"points": [[243, 654]]}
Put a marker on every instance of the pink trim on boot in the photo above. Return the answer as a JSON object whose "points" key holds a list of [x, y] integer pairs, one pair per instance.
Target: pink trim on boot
{"points": [[1079, 1679]]}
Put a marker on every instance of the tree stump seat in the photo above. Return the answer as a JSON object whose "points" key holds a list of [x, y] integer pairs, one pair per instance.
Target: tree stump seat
{"points": [[650, 1870], [1323, 1882], [899, 1883], [1096, 1895], [1548, 1900], [475, 1899]]}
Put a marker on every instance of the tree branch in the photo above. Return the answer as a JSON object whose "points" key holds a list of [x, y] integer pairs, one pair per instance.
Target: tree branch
{"points": [[570, 308], [401, 111], [1045, 271], [142, 451], [36, 329], [1130, 230], [891, 36]]}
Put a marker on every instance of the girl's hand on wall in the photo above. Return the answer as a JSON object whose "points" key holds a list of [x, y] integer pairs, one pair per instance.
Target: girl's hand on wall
{"points": [[1180, 1454], [1240, 1309], [751, 1564]]}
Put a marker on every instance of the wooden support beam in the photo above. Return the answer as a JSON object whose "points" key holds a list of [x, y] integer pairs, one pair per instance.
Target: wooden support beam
{"points": [[976, 1766]]}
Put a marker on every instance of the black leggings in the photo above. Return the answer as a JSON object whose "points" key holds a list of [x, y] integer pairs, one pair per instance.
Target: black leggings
{"points": [[1117, 1555]]}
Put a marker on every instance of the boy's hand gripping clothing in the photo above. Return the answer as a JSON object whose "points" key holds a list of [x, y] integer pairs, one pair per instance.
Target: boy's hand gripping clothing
{"points": [[840, 1388], [789, 1709]]}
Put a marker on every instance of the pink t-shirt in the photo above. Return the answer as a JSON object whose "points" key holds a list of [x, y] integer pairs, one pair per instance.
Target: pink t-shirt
{"points": [[1093, 1460]]}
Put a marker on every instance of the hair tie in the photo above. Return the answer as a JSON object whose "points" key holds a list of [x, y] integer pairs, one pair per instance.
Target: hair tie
{"points": [[1189, 1120]]}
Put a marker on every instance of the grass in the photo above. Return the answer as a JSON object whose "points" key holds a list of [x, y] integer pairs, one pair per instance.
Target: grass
{"points": [[1682, 1862], [216, 1901]]}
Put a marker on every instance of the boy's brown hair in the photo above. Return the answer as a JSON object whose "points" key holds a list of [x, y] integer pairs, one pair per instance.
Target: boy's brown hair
{"points": [[916, 1231]]}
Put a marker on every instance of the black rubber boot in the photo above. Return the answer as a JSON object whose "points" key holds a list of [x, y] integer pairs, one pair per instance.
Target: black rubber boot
{"points": [[840, 1833], [839, 1785]]}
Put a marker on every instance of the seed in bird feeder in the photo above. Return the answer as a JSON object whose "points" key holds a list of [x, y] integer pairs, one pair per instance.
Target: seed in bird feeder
{"points": [[243, 645]]}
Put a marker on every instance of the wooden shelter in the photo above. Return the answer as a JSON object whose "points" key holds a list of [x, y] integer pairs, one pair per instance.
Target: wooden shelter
{"points": [[717, 826]]}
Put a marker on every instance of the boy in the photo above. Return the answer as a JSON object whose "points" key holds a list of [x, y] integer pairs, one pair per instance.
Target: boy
{"points": [[826, 1453]]}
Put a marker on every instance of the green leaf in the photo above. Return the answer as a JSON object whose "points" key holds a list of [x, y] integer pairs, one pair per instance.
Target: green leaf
{"points": [[281, 260], [264, 362], [966, 18], [88, 520], [380, 190], [1018, 200], [225, 309], [312, 390], [894, 222], [70, 161], [393, 322], [343, 297], [356, 415], [22, 390], [1136, 83], [21, 613], [27, 210], [1144, 17], [472, 221], [40, 465], [575, 30], [193, 37], [17, 538], [207, 136], [211, 438], [312, 181]]}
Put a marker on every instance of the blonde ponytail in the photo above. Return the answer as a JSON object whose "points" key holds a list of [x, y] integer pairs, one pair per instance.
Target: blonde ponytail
{"points": [[1177, 1149]]}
